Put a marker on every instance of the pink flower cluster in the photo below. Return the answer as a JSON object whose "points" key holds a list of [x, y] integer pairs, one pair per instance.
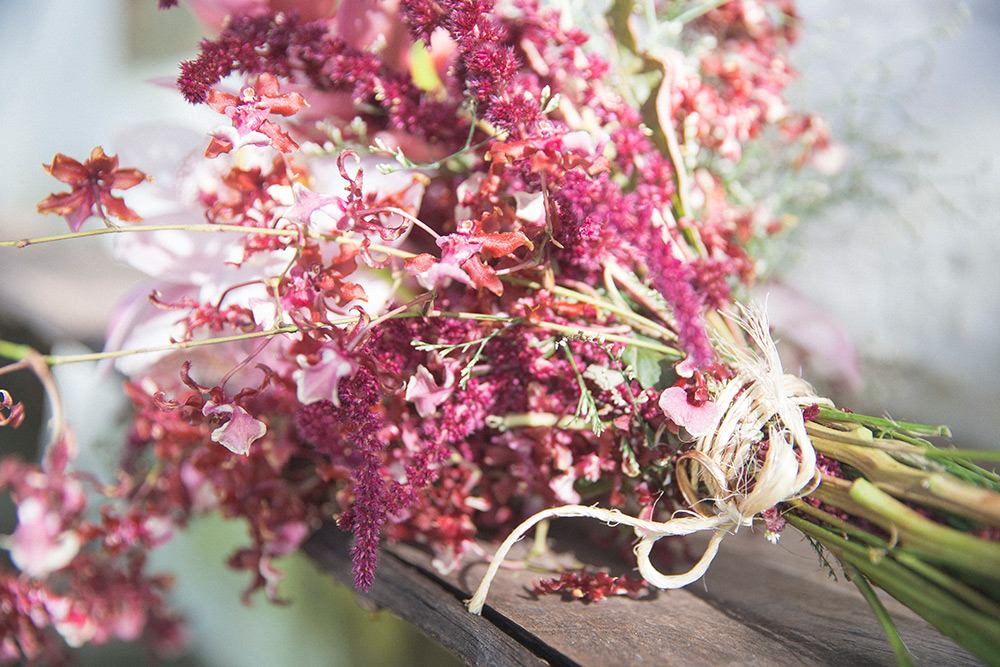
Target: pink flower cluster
{"points": [[427, 353]]}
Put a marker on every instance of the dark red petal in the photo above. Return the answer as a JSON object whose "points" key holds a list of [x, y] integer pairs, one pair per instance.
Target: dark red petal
{"points": [[280, 140], [67, 170], [420, 263], [483, 275], [217, 148], [117, 208], [350, 291], [266, 86], [286, 105], [503, 244], [220, 101], [99, 163], [123, 179], [65, 203]]}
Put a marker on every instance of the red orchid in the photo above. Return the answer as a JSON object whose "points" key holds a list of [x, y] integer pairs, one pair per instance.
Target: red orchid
{"points": [[249, 114], [460, 259], [92, 183]]}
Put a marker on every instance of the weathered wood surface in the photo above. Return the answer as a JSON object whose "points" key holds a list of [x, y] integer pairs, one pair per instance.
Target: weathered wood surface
{"points": [[759, 605]]}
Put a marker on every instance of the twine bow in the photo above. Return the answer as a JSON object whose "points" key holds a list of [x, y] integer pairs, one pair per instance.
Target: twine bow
{"points": [[742, 473]]}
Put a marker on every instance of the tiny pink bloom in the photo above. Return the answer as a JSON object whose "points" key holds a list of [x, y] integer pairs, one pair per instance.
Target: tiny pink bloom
{"points": [[158, 530], [226, 138], [129, 620], [308, 202], [70, 620], [239, 432], [425, 393], [38, 546], [699, 420], [530, 207], [321, 381], [563, 488], [288, 538], [456, 250], [686, 367], [199, 488]]}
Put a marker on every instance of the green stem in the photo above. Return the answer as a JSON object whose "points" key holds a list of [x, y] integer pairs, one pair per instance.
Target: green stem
{"points": [[18, 352], [880, 546], [903, 656], [698, 10], [928, 488], [265, 231], [977, 632], [929, 539], [627, 340], [15, 351], [648, 325], [882, 424]]}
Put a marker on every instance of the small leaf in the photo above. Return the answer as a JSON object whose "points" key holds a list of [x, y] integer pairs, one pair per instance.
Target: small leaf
{"points": [[652, 369]]}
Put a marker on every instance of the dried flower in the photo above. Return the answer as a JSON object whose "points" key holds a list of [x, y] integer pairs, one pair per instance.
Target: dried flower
{"points": [[249, 114], [92, 183]]}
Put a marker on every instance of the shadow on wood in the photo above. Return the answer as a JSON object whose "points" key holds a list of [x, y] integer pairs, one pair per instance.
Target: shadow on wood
{"points": [[758, 605]]}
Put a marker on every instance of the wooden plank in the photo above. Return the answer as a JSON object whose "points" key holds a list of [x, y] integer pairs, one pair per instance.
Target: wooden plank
{"points": [[424, 600], [759, 605]]}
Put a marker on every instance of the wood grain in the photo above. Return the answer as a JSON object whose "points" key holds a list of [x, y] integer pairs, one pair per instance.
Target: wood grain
{"points": [[759, 605]]}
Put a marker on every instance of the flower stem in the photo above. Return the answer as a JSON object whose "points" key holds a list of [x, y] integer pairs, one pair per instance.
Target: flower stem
{"points": [[903, 656], [927, 487], [978, 632], [643, 323], [242, 229], [19, 352], [882, 424]]}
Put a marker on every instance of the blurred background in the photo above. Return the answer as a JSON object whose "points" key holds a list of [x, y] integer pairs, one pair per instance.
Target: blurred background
{"points": [[899, 255]]}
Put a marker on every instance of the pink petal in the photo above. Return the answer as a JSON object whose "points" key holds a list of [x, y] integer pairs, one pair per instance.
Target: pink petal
{"points": [[699, 420], [321, 381], [239, 432], [425, 393], [38, 547]]}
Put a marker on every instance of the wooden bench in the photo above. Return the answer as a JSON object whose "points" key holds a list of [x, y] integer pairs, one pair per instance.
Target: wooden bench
{"points": [[759, 604]]}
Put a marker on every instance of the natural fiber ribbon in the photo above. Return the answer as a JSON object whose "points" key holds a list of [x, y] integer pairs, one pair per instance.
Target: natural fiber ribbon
{"points": [[759, 399]]}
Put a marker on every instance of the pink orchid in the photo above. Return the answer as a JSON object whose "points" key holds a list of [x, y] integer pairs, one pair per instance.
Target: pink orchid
{"points": [[239, 432], [425, 393], [456, 250], [321, 380], [308, 202], [699, 420], [39, 545], [71, 619]]}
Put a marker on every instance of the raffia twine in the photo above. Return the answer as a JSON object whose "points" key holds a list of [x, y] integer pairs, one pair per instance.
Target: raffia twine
{"points": [[761, 398]]}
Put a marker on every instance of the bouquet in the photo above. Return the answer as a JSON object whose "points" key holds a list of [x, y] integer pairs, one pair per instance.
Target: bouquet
{"points": [[445, 269]]}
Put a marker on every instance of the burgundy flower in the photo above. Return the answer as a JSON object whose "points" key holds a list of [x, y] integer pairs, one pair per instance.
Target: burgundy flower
{"points": [[92, 183], [582, 585], [249, 114]]}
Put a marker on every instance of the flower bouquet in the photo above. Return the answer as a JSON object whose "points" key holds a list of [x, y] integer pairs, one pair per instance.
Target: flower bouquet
{"points": [[447, 269]]}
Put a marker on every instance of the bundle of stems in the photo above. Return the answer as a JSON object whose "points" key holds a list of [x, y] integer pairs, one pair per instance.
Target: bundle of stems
{"points": [[884, 505], [915, 520]]}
